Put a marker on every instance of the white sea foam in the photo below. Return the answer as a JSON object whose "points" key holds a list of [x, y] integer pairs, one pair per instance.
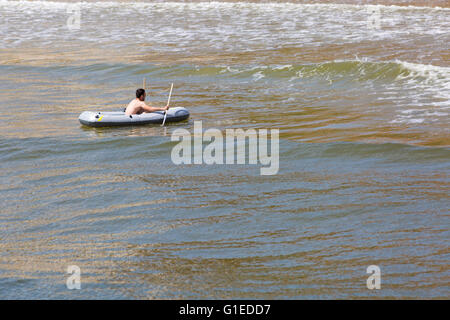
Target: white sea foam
{"points": [[208, 4], [408, 121], [432, 89], [429, 72], [284, 67], [258, 76], [217, 26]]}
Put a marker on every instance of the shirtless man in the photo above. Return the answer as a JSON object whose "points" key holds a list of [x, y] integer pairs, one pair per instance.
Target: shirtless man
{"points": [[137, 106]]}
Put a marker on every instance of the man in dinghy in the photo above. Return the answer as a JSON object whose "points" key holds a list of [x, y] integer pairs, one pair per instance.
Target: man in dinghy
{"points": [[138, 105]]}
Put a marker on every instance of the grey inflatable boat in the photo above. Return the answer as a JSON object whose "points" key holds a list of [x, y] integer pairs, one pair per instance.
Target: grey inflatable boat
{"points": [[108, 119]]}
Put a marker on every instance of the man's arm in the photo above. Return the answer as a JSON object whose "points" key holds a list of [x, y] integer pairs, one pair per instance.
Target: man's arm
{"points": [[153, 109]]}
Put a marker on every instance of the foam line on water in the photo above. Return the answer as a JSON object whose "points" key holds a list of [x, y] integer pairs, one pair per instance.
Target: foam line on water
{"points": [[209, 4]]}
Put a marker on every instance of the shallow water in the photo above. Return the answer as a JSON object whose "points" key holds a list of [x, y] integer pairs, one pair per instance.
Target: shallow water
{"points": [[364, 151]]}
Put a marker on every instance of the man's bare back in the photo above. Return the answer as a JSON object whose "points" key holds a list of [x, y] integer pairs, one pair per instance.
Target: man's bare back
{"points": [[138, 105]]}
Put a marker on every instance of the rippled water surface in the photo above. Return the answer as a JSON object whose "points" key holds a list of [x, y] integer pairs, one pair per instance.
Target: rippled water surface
{"points": [[360, 94]]}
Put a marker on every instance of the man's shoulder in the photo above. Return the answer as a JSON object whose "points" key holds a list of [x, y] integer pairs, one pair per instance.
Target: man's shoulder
{"points": [[135, 102]]}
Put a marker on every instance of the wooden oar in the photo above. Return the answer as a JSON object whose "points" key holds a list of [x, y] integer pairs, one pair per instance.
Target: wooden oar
{"points": [[143, 84], [168, 101]]}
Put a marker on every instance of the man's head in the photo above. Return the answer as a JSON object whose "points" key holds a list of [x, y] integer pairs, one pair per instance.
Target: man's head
{"points": [[140, 94]]}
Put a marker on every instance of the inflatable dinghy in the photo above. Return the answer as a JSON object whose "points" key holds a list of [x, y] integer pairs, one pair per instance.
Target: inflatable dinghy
{"points": [[108, 119]]}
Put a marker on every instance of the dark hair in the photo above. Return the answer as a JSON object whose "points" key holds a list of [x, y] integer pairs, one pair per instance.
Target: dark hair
{"points": [[139, 92]]}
